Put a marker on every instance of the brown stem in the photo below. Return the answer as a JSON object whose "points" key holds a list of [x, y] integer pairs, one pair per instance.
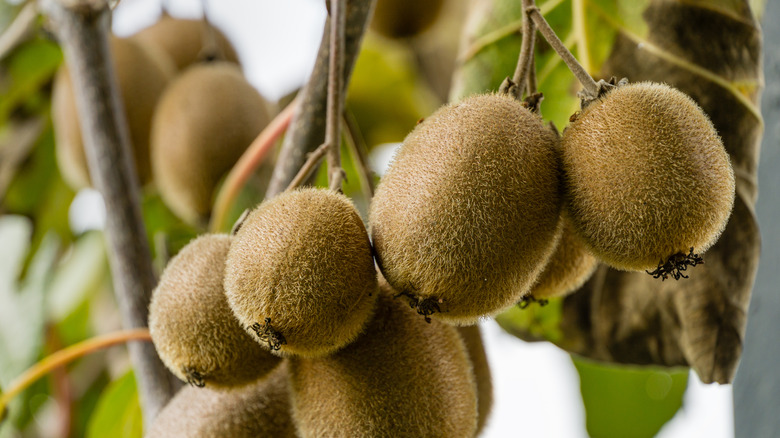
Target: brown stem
{"points": [[308, 127], [308, 167], [525, 60], [592, 89], [335, 98], [82, 27]]}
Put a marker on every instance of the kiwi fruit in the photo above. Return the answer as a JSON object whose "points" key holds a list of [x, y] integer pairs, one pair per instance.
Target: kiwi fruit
{"points": [[142, 76], [465, 218], [401, 378], [184, 40], [404, 18], [569, 267], [472, 338], [300, 274], [258, 409], [648, 180], [205, 120], [192, 327]]}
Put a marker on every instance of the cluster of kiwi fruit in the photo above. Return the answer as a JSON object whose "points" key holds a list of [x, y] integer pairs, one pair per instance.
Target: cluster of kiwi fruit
{"points": [[285, 328], [305, 322], [190, 112], [485, 206]]}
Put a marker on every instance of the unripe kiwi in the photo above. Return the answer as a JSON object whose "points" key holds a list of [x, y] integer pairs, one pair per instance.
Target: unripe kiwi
{"points": [[184, 39], [401, 378], [205, 120], [465, 218], [568, 268], [472, 338], [300, 270], [192, 326], [142, 75], [647, 176], [258, 409], [404, 18]]}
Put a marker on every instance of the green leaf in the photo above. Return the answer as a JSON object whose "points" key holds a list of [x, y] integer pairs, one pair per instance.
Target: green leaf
{"points": [[540, 322], [623, 401], [118, 413], [29, 68]]}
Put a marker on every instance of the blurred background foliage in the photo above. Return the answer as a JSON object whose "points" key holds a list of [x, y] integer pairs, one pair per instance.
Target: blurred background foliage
{"points": [[55, 285]]}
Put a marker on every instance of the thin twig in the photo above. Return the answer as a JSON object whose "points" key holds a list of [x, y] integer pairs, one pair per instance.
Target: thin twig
{"points": [[19, 29], [65, 356], [82, 27], [246, 165], [359, 153], [315, 158], [525, 60], [307, 131], [592, 89], [531, 86]]}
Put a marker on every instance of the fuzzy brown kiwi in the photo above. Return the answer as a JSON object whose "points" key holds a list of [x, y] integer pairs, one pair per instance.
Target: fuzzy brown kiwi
{"points": [[142, 75], [192, 326], [401, 378], [300, 274], [568, 268], [184, 39], [647, 177], [465, 218], [404, 18], [258, 409], [472, 338], [204, 121]]}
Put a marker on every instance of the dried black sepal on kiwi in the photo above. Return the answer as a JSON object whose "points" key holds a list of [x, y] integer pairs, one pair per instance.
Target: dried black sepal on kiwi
{"points": [[266, 333], [675, 265], [424, 306], [194, 377], [530, 299]]}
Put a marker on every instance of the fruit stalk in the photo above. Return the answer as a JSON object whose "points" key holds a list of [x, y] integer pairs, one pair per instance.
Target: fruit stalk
{"points": [[83, 28], [335, 91], [592, 89], [525, 60], [308, 127]]}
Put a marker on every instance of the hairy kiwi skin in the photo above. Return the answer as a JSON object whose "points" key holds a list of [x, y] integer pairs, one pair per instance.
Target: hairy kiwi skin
{"points": [[192, 326], [472, 338], [303, 259], [258, 409], [142, 76], [569, 267], [204, 121], [401, 378], [468, 211], [404, 18], [183, 40], [646, 175]]}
